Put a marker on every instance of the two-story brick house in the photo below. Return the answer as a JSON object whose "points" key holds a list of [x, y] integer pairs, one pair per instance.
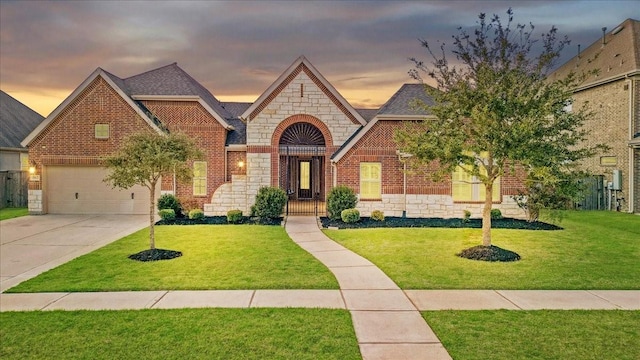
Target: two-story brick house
{"points": [[613, 95], [300, 135]]}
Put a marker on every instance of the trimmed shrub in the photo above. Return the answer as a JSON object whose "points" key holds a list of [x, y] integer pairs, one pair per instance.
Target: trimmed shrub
{"points": [[168, 201], [196, 214], [340, 198], [467, 216], [234, 216], [270, 202], [496, 214], [350, 215], [189, 204], [167, 214], [377, 215]]}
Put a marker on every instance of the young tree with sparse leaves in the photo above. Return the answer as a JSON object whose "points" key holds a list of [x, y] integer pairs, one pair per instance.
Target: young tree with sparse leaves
{"points": [[143, 158], [496, 109]]}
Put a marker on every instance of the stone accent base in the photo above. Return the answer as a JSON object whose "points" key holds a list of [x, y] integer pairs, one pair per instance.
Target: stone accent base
{"points": [[35, 202], [434, 206], [229, 196]]}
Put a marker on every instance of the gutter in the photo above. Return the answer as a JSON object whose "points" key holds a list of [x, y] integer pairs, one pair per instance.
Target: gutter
{"points": [[608, 80]]}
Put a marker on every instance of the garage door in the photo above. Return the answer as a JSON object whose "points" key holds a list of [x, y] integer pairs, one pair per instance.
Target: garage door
{"points": [[80, 190]]}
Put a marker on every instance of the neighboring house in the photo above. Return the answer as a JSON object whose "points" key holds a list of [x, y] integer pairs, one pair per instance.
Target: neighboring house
{"points": [[614, 98], [16, 122], [300, 135]]}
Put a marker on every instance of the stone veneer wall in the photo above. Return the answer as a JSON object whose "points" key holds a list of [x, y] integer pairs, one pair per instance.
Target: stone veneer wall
{"points": [[229, 196], [434, 206], [289, 102]]}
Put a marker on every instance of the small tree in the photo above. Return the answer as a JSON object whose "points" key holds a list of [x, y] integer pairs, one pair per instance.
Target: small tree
{"points": [[144, 157], [498, 109]]}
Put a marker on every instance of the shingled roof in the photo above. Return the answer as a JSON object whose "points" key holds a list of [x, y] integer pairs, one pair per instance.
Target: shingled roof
{"points": [[16, 120], [406, 101], [171, 80], [616, 54]]}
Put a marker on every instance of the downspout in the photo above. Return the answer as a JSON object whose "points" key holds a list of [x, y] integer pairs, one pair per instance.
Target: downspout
{"points": [[631, 195], [404, 190]]}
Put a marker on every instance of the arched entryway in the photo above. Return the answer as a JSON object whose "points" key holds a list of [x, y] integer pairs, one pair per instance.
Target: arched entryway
{"points": [[302, 151]]}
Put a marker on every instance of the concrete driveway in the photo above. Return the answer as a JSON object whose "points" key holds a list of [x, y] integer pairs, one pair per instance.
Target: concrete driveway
{"points": [[31, 245]]}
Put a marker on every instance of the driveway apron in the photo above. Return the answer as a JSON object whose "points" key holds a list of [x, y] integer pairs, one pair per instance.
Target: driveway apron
{"points": [[31, 245], [387, 324]]}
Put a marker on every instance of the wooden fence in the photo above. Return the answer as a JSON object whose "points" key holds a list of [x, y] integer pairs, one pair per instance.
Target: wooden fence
{"points": [[594, 195], [13, 188]]}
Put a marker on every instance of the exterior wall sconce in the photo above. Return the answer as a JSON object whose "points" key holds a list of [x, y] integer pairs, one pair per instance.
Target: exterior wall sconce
{"points": [[32, 170], [241, 164]]}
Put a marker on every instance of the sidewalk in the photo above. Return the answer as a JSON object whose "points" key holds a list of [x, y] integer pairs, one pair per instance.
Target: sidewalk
{"points": [[386, 319]]}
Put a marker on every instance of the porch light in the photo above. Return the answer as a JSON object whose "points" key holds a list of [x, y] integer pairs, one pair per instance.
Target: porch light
{"points": [[240, 164], [32, 169]]}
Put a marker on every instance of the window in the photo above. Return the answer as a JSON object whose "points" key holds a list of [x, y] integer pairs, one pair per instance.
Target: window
{"points": [[370, 180], [608, 160], [199, 178], [24, 162], [465, 187], [102, 131], [305, 175]]}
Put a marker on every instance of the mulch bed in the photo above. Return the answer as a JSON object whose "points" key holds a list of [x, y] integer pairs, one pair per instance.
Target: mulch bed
{"points": [[394, 222], [489, 253], [155, 255], [219, 220]]}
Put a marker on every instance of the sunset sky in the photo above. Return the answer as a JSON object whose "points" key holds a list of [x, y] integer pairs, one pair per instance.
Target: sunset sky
{"points": [[237, 49]]}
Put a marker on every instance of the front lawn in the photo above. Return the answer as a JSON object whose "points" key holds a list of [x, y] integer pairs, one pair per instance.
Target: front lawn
{"points": [[214, 257], [179, 334], [10, 213], [546, 334], [596, 250]]}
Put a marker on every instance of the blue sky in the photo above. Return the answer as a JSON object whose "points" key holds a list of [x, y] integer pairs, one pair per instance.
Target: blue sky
{"points": [[238, 48]]}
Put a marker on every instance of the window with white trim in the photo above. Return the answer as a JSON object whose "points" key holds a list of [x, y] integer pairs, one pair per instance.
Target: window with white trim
{"points": [[370, 180], [199, 178]]}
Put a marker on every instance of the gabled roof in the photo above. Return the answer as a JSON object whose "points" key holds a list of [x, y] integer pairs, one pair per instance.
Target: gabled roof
{"points": [[616, 55], [170, 82], [16, 121], [110, 79], [401, 106], [407, 101], [302, 64]]}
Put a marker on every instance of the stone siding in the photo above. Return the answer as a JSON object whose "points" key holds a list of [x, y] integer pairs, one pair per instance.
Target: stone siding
{"points": [[434, 206], [289, 102]]}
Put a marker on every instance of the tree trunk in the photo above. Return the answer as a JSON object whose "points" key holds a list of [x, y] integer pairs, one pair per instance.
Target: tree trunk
{"points": [[152, 205], [486, 214]]}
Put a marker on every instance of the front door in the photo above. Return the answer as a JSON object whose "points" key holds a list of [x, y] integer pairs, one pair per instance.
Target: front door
{"points": [[305, 179]]}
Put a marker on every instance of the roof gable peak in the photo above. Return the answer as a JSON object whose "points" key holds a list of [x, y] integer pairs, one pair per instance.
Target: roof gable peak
{"points": [[302, 64]]}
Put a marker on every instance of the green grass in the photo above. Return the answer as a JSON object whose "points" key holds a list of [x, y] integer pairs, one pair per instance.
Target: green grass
{"points": [[538, 334], [10, 213], [179, 334], [597, 250], [214, 257]]}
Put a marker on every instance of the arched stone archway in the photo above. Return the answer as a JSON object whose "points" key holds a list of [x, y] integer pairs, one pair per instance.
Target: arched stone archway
{"points": [[302, 150]]}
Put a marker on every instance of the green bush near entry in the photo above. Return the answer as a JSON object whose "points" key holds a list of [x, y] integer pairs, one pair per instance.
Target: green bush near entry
{"points": [[196, 214], [340, 198], [270, 202], [350, 215]]}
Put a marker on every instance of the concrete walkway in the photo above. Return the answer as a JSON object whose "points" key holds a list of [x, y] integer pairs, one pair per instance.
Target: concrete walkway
{"points": [[386, 319], [387, 323]]}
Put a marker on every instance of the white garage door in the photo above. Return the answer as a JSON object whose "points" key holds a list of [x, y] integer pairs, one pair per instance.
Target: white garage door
{"points": [[80, 190]]}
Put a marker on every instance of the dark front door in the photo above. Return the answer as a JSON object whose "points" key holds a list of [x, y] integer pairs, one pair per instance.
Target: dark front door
{"points": [[305, 179]]}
